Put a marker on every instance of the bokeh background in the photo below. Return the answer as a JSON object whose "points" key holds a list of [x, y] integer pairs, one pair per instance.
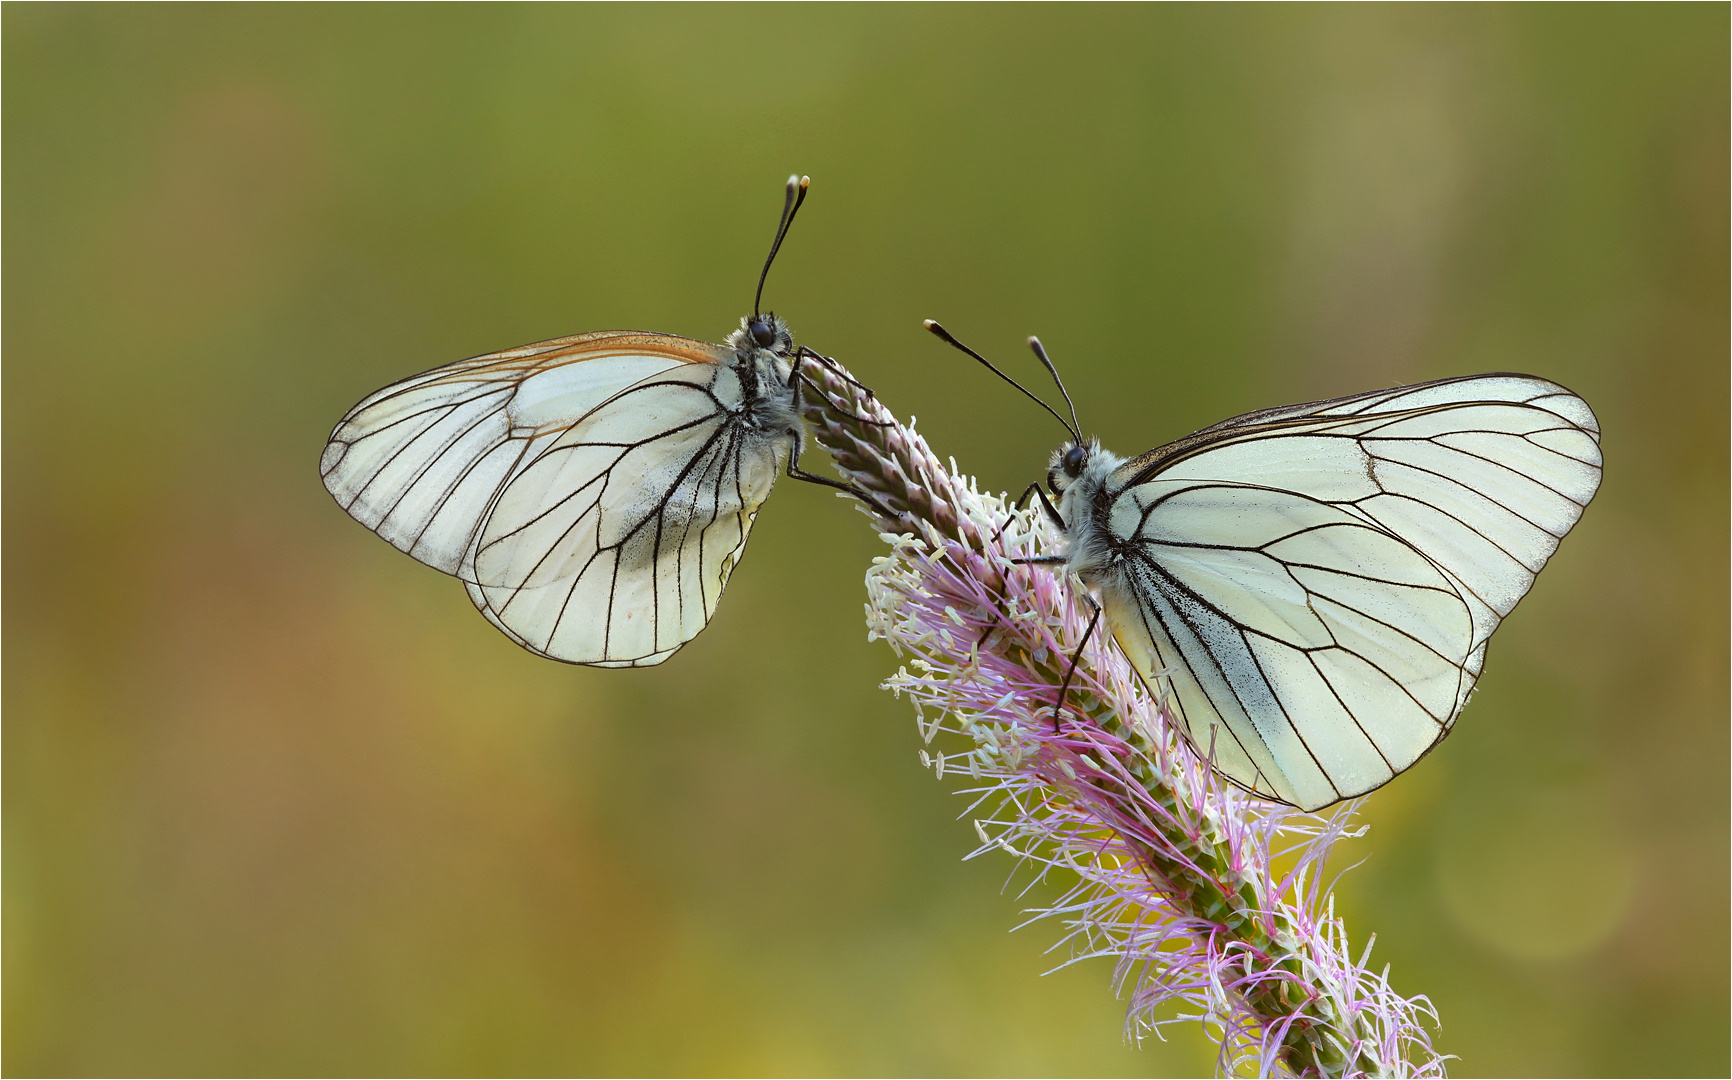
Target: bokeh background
{"points": [[278, 801]]}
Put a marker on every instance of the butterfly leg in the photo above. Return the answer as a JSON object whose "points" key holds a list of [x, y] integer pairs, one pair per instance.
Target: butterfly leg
{"points": [[1074, 658], [798, 473], [1036, 560], [846, 413], [804, 353], [799, 438], [1052, 515]]}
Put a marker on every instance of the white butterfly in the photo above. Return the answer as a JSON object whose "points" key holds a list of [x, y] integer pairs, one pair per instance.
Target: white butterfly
{"points": [[593, 493], [1314, 585]]}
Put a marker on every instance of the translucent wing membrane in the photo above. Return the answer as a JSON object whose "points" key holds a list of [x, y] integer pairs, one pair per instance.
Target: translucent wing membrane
{"points": [[593, 491], [1317, 583], [613, 547]]}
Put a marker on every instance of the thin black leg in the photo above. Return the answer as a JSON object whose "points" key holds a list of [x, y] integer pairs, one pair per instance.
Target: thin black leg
{"points": [[1052, 515], [844, 412], [798, 473], [812, 354], [1074, 657], [1022, 501], [799, 437]]}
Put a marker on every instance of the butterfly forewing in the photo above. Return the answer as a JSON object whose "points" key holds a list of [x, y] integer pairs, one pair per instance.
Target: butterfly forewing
{"points": [[1321, 579], [420, 461]]}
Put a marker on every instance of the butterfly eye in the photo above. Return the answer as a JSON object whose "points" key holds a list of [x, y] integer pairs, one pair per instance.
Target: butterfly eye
{"points": [[763, 333], [1073, 461]]}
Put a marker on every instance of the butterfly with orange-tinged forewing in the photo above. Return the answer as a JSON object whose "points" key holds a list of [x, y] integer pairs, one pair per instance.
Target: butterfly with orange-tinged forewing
{"points": [[593, 493]]}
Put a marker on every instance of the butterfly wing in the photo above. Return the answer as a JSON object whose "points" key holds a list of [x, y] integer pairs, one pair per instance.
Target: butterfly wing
{"points": [[423, 461], [613, 545], [1319, 582]]}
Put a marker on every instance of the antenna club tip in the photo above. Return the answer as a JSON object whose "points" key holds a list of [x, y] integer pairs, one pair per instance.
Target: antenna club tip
{"points": [[931, 324], [1033, 342], [805, 182]]}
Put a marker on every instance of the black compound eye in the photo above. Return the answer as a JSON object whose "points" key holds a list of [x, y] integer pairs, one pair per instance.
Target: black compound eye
{"points": [[763, 333], [1073, 461]]}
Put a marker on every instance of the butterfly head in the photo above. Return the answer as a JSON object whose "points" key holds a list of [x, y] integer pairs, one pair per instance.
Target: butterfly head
{"points": [[763, 331], [1070, 462]]}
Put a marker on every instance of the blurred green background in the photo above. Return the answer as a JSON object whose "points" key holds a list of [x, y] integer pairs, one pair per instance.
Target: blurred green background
{"points": [[278, 801]]}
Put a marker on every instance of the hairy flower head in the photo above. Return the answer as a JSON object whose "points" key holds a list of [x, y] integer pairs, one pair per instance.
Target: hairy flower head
{"points": [[1166, 869]]}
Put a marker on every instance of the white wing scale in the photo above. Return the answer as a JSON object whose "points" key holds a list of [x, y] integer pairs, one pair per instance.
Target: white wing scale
{"points": [[1317, 583]]}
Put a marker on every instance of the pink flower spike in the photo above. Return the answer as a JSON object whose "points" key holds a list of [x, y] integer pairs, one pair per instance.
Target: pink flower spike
{"points": [[1169, 868]]}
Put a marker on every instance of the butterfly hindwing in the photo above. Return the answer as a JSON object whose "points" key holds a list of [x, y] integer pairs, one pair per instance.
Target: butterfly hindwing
{"points": [[1321, 580], [612, 547]]}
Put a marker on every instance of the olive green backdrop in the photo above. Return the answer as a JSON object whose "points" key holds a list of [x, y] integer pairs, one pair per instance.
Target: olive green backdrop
{"points": [[278, 801]]}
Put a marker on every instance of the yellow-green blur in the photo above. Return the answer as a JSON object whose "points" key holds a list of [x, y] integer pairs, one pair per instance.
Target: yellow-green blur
{"points": [[278, 801]]}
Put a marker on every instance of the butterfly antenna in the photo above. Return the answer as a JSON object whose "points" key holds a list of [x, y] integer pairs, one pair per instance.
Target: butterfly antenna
{"points": [[797, 186], [1040, 353], [940, 332]]}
